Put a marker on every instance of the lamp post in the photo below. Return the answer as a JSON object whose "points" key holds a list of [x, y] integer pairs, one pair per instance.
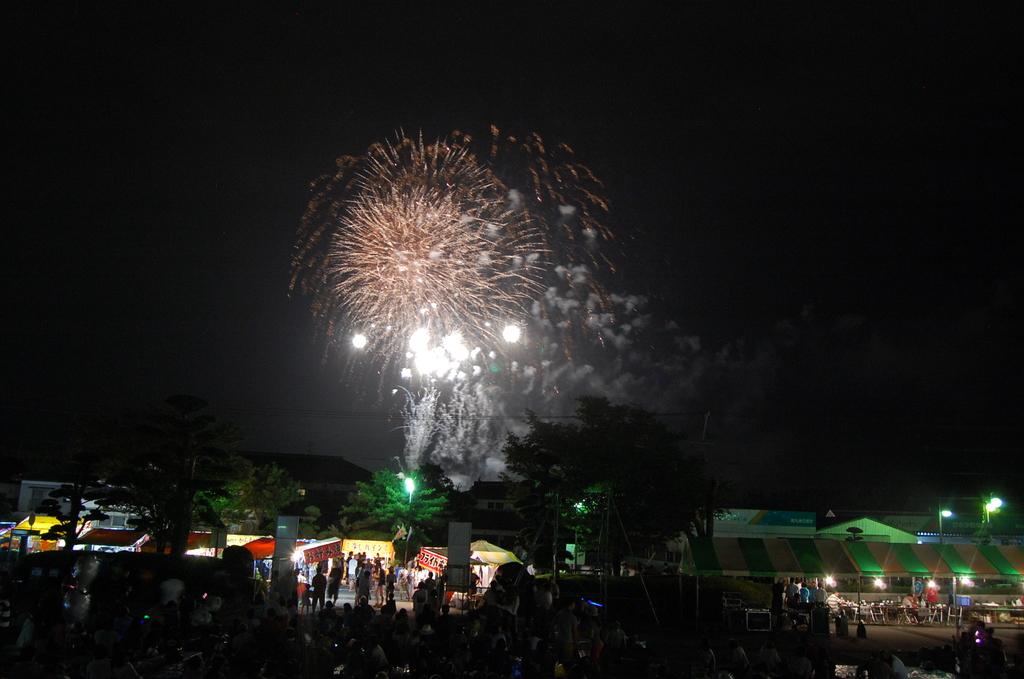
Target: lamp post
{"points": [[410, 487], [943, 514], [992, 505]]}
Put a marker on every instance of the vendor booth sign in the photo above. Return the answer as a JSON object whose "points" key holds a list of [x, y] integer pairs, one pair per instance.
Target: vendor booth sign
{"points": [[371, 548], [323, 550], [431, 560]]}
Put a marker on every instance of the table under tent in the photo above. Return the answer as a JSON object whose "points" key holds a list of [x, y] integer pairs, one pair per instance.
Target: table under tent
{"points": [[484, 560], [871, 565]]}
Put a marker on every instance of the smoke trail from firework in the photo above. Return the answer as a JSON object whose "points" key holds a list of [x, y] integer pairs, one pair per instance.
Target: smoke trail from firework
{"points": [[445, 262], [419, 413], [462, 430]]}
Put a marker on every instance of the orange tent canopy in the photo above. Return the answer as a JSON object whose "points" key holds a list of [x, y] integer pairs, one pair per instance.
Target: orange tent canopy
{"points": [[262, 548], [195, 541]]}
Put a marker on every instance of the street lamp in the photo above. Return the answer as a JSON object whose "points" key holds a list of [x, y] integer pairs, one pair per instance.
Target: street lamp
{"points": [[410, 486], [991, 506], [943, 514]]}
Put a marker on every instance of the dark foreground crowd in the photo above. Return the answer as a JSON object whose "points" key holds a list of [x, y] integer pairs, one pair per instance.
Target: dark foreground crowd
{"points": [[978, 653], [195, 636]]}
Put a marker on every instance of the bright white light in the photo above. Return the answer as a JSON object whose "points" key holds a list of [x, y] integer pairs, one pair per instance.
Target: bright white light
{"points": [[879, 583], [830, 581], [967, 582], [297, 555], [426, 363], [410, 485], [994, 504], [419, 341], [406, 373], [454, 346], [359, 340], [511, 333], [932, 585], [946, 513]]}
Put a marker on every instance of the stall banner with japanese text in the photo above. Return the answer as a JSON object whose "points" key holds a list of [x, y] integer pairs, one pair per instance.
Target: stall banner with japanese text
{"points": [[432, 561], [371, 548], [322, 552]]}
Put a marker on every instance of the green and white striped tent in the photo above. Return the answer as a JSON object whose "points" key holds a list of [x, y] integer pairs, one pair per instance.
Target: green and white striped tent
{"points": [[806, 557]]}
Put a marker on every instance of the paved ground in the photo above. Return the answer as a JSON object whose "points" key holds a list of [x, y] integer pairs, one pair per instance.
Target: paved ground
{"points": [[680, 647]]}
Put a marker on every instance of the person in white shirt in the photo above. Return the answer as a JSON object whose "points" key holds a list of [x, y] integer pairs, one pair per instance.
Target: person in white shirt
{"points": [[353, 566], [792, 590]]}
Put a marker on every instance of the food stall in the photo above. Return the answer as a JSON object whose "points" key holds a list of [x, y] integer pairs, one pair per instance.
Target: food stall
{"points": [[484, 559], [112, 540], [870, 563], [25, 536], [373, 549]]}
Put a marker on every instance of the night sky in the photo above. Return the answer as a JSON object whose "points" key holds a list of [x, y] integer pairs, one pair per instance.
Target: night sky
{"points": [[828, 196]]}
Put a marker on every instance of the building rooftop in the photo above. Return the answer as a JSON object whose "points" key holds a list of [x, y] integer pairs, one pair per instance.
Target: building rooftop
{"points": [[490, 490], [308, 469]]}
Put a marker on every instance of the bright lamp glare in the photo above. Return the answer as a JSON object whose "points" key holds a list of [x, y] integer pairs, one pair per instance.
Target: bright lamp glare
{"points": [[830, 581], [410, 485], [879, 583], [946, 513], [359, 340], [297, 555], [932, 585], [511, 333], [419, 341], [994, 504]]}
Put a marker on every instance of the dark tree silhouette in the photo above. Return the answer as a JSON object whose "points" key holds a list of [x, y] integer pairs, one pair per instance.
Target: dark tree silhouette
{"points": [[173, 452]]}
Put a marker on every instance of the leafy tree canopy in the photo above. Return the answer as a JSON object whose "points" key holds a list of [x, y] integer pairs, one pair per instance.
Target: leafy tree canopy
{"points": [[170, 454], [92, 441], [255, 498], [615, 452], [383, 504]]}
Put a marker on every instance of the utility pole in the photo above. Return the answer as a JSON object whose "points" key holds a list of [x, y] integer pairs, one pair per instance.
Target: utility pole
{"points": [[554, 542]]}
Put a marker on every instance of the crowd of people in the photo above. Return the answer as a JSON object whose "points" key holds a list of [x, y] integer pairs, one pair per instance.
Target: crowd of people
{"points": [[977, 653], [297, 629], [288, 632], [376, 578], [809, 661]]}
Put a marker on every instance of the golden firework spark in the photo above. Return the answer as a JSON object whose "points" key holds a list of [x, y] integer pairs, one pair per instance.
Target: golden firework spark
{"points": [[412, 237], [425, 239]]}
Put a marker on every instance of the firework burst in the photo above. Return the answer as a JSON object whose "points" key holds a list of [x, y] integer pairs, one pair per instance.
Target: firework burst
{"points": [[417, 238], [467, 265], [429, 254]]}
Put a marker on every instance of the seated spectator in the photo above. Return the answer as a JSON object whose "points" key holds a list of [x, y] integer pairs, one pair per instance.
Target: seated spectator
{"points": [[707, 658], [768, 656], [738, 662], [800, 666]]}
